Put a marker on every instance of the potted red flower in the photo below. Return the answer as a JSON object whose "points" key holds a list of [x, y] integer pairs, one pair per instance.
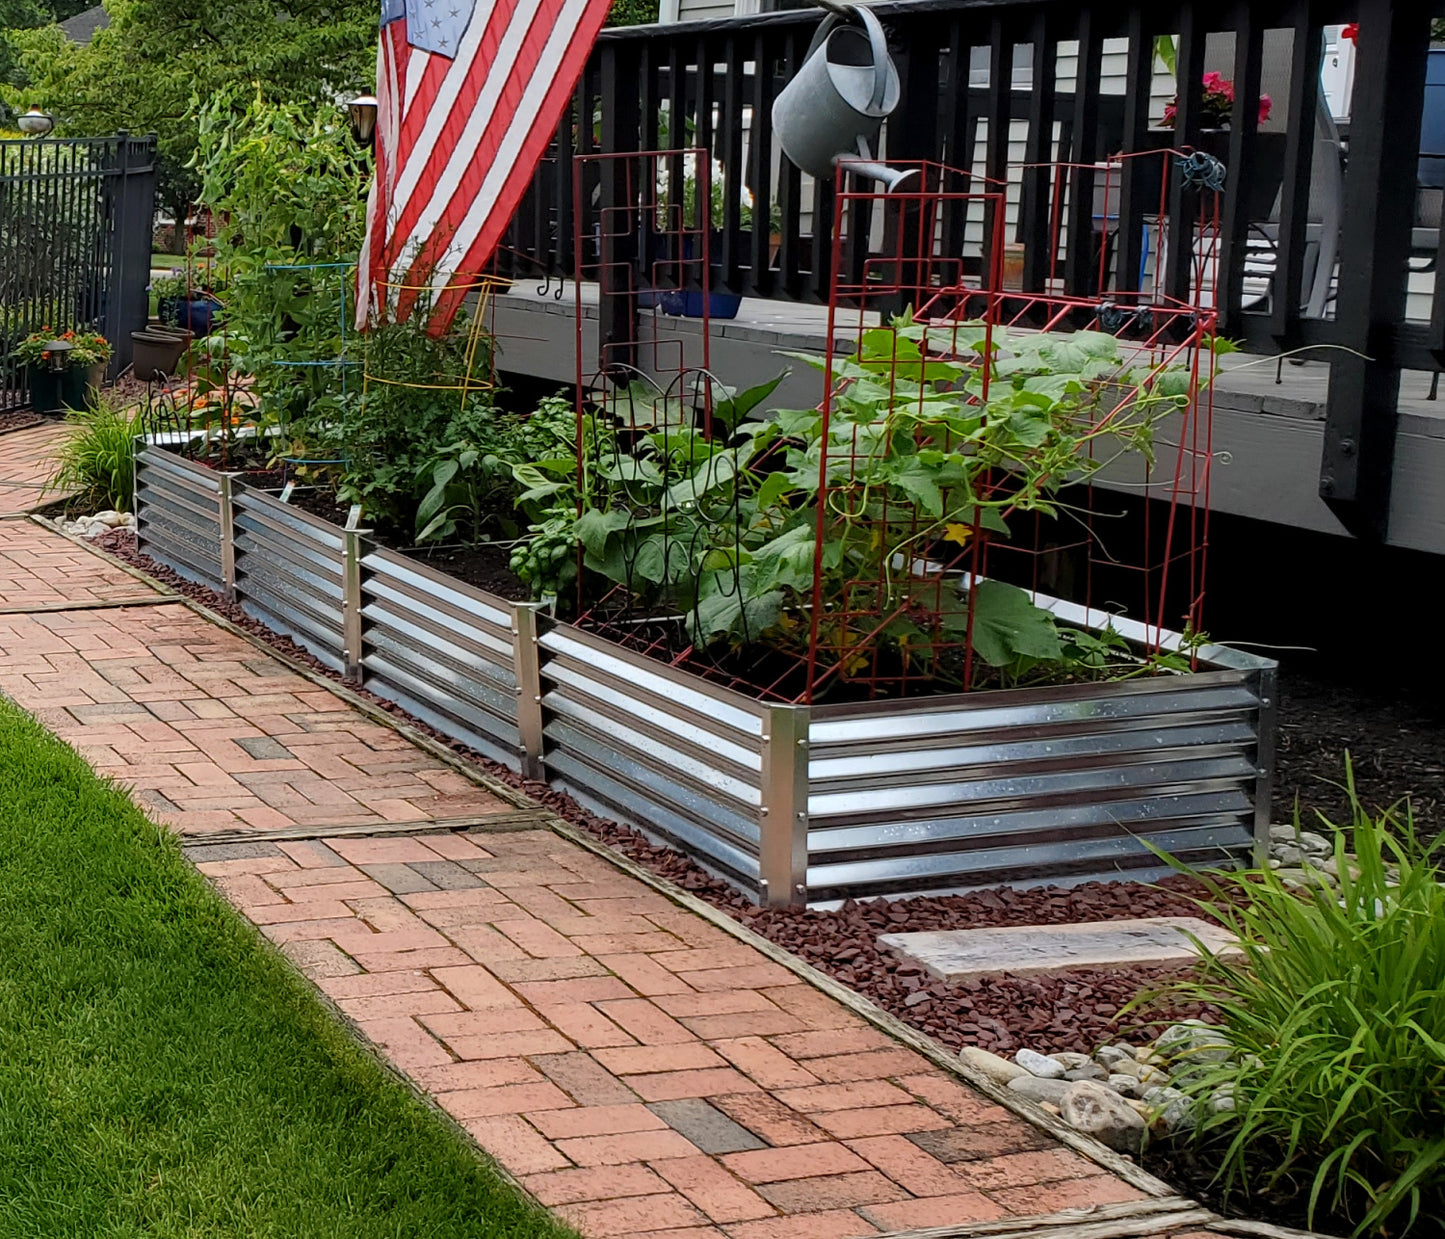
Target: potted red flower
{"points": [[1216, 104]]}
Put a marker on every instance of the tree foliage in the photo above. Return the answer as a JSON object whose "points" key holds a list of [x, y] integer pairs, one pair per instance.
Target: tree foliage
{"points": [[15, 15], [160, 61]]}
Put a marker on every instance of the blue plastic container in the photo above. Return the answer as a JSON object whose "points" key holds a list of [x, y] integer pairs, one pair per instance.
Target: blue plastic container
{"points": [[687, 303], [196, 314], [1432, 123], [691, 303]]}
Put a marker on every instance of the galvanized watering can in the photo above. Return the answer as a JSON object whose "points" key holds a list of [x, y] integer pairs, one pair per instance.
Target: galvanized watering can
{"points": [[832, 110]]}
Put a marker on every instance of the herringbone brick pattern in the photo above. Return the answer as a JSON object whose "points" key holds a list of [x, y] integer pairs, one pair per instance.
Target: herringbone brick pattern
{"points": [[641, 1071]]}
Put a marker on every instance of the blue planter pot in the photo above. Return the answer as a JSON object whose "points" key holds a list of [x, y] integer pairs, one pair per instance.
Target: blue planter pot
{"points": [[1431, 171], [688, 303], [691, 304], [196, 314]]}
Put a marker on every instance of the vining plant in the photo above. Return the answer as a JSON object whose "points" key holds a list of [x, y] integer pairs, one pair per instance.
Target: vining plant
{"points": [[771, 529]]}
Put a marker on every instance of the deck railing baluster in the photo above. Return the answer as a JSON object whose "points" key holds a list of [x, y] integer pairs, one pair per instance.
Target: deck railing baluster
{"points": [[678, 68]]}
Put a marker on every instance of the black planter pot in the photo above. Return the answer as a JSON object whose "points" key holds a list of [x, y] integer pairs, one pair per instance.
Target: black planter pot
{"points": [[57, 391], [157, 352]]}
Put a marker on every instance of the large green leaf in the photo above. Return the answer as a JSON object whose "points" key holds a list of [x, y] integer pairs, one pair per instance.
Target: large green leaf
{"points": [[1006, 624], [594, 527], [787, 560], [1029, 426], [774, 487], [442, 474], [894, 353], [712, 474], [661, 558], [1174, 381], [918, 483], [730, 610], [734, 408], [631, 469], [802, 423]]}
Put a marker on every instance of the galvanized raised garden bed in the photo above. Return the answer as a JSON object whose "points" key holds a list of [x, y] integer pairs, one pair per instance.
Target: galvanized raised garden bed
{"points": [[792, 804]]}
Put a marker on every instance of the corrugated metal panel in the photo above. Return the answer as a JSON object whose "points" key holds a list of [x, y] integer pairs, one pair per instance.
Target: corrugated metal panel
{"points": [[1033, 785], [178, 516], [1053, 784], [288, 572], [656, 747], [441, 650]]}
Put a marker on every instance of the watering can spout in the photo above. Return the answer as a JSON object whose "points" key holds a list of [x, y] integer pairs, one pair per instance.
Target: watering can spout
{"points": [[891, 178], [833, 109], [863, 164]]}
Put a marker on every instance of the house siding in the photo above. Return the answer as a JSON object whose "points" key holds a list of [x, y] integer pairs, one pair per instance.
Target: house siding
{"points": [[704, 10]]}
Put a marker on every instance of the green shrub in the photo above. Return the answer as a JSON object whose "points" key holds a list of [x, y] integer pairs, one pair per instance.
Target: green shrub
{"points": [[98, 459], [632, 12], [1336, 1014]]}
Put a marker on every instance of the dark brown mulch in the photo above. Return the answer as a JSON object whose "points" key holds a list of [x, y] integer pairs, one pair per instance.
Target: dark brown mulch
{"points": [[1395, 743], [128, 389], [18, 419], [1076, 1011]]}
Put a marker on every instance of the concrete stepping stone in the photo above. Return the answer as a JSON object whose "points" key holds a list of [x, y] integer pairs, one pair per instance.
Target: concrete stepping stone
{"points": [[955, 955]]}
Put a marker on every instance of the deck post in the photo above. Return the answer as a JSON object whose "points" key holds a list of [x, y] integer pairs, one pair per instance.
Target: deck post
{"points": [[1361, 417]]}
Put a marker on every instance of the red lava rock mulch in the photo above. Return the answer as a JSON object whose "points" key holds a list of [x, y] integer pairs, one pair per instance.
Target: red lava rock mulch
{"points": [[18, 419], [1074, 1011]]}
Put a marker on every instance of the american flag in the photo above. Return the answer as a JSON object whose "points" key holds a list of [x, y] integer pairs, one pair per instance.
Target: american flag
{"points": [[469, 93]]}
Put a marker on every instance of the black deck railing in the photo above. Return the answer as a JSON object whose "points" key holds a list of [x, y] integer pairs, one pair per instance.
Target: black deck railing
{"points": [[1320, 225]]}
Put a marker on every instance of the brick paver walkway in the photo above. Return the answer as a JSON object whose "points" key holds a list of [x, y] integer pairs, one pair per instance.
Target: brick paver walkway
{"points": [[209, 732], [39, 570], [637, 1068], [26, 460]]}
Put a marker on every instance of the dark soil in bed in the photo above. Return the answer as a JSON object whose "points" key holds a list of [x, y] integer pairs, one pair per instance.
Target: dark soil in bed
{"points": [[483, 566]]}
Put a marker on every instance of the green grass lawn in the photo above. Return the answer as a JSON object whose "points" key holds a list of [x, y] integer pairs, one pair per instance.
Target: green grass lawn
{"points": [[163, 1073]]}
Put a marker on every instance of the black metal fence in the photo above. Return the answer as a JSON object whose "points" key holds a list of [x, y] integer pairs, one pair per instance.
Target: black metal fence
{"points": [[1324, 224], [75, 237]]}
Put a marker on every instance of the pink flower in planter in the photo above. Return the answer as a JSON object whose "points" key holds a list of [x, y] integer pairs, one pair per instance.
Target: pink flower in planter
{"points": [[1217, 84], [1216, 103]]}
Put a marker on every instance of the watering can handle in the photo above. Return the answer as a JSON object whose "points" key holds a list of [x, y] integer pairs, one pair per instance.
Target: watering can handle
{"points": [[837, 14]]}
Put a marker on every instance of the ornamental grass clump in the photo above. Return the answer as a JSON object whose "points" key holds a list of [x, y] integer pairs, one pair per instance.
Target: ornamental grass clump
{"points": [[1335, 1015], [98, 459]]}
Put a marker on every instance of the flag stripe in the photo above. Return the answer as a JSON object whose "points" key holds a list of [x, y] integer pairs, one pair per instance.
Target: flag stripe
{"points": [[475, 96], [479, 231], [458, 140], [480, 145]]}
